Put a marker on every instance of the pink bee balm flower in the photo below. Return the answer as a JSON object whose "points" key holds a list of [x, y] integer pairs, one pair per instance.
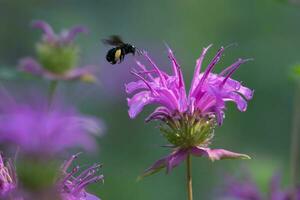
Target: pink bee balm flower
{"points": [[72, 187], [189, 117], [42, 130], [8, 177], [57, 55]]}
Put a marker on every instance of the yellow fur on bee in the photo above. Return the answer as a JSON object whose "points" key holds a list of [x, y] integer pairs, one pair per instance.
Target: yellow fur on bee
{"points": [[118, 54]]}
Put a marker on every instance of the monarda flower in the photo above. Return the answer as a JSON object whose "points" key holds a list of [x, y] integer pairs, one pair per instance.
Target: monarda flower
{"points": [[57, 55], [188, 119], [8, 177], [246, 189], [73, 183], [41, 130]]}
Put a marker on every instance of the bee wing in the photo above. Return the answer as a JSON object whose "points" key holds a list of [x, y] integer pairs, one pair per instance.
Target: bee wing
{"points": [[113, 40]]}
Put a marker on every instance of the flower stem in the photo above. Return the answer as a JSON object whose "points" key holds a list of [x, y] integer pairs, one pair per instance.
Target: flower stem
{"points": [[189, 177], [295, 142], [52, 89]]}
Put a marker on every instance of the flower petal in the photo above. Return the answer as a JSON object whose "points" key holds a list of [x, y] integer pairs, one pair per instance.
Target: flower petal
{"points": [[159, 113], [156, 167], [217, 154], [85, 74], [198, 68], [137, 103], [158, 71], [31, 66], [49, 34], [168, 162], [238, 100], [134, 86], [176, 158], [208, 70], [91, 197], [246, 92], [176, 69], [73, 32], [167, 98]]}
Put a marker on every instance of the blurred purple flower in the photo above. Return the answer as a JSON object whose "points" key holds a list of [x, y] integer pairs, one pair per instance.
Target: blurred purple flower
{"points": [[57, 56], [73, 187], [8, 177], [190, 117], [65, 37], [246, 189], [39, 129]]}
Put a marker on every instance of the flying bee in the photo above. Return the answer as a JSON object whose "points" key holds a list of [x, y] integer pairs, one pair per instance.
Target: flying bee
{"points": [[119, 51]]}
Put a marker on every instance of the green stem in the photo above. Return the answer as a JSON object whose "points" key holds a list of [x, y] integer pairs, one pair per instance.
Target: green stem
{"points": [[295, 142], [52, 89], [189, 178]]}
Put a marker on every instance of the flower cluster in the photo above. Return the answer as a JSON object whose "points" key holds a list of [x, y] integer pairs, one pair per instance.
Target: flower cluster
{"points": [[40, 130], [57, 55], [189, 118]]}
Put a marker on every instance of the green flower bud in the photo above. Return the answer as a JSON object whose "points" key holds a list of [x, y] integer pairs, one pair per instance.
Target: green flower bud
{"points": [[57, 58]]}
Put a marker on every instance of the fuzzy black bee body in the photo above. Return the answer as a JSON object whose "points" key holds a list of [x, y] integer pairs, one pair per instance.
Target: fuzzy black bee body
{"points": [[117, 54]]}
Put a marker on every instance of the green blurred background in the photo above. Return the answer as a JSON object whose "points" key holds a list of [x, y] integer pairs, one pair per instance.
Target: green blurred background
{"points": [[267, 31]]}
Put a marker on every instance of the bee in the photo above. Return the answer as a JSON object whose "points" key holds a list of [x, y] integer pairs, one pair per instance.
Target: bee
{"points": [[119, 51]]}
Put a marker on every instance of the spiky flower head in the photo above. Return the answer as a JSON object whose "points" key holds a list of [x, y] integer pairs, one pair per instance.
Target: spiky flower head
{"points": [[57, 55], [189, 118], [73, 183]]}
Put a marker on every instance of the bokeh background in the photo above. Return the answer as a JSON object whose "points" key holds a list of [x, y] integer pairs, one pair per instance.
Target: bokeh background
{"points": [[265, 30]]}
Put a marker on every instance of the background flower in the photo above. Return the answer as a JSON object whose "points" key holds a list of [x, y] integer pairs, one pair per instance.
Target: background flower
{"points": [[57, 55], [8, 177], [72, 184], [244, 188], [39, 129]]}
